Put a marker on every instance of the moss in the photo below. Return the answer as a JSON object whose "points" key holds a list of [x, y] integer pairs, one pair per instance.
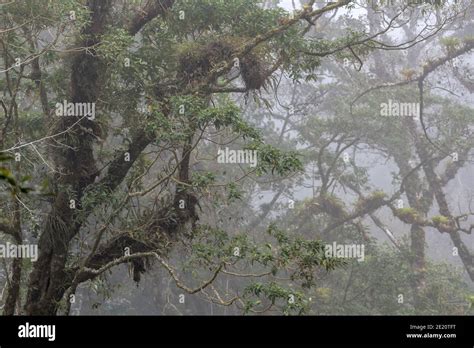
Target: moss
{"points": [[374, 200], [323, 293], [253, 72], [406, 212], [196, 60], [408, 215], [378, 195], [443, 223], [450, 43], [332, 205], [440, 219]]}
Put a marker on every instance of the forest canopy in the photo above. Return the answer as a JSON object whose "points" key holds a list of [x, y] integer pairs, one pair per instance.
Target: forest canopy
{"points": [[236, 157]]}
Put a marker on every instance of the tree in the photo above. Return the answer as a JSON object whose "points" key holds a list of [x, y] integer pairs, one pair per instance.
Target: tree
{"points": [[134, 178]]}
